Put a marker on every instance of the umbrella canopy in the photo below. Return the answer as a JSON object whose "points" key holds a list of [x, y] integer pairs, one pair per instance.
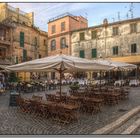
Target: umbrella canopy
{"points": [[63, 62], [117, 65], [3, 68]]}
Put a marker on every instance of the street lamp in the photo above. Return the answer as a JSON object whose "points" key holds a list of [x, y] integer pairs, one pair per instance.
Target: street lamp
{"points": [[105, 23]]}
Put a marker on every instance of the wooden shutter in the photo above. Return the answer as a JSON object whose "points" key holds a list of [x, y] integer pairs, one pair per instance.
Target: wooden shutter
{"points": [[21, 39], [94, 34], [24, 55], [82, 36], [82, 54], [16, 60], [94, 53], [115, 50]]}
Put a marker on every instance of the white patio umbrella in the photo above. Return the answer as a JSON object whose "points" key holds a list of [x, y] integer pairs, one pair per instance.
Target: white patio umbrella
{"points": [[3, 68], [116, 65], [60, 63]]}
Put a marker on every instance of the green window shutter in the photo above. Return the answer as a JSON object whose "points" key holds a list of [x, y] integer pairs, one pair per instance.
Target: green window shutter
{"points": [[21, 39], [82, 36], [94, 53], [82, 54], [94, 34], [115, 50], [24, 55], [16, 60], [133, 48]]}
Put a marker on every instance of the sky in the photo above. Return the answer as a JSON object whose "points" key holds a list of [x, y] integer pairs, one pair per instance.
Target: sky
{"points": [[94, 12]]}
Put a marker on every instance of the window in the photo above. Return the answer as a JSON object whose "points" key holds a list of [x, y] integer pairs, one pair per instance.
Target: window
{"points": [[115, 31], [63, 26], [94, 53], [44, 42], [82, 53], [53, 45], [94, 34], [16, 60], [35, 43], [63, 43], [53, 29], [133, 27], [82, 36], [39, 55], [24, 55], [133, 48], [21, 39], [115, 50]]}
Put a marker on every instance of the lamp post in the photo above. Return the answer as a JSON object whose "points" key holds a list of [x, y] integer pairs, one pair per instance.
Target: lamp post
{"points": [[105, 23]]}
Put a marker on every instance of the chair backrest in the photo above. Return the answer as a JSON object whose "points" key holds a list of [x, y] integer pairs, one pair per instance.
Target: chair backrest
{"points": [[37, 97]]}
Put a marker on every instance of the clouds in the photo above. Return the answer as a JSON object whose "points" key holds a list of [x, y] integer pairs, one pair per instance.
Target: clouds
{"points": [[95, 12]]}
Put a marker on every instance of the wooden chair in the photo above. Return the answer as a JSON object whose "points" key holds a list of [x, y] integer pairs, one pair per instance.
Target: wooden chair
{"points": [[35, 97]]}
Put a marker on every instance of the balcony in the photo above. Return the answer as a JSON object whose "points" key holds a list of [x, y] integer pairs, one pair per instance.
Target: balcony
{"points": [[4, 41]]}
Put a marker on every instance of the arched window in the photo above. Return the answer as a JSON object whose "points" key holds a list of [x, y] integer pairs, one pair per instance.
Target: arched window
{"points": [[63, 42], [53, 44]]}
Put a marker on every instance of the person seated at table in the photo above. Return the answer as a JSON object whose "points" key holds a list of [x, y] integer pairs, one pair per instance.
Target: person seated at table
{"points": [[1, 87]]}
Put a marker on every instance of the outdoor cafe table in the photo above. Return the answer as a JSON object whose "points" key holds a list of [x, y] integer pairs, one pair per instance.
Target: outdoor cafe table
{"points": [[62, 105], [112, 98], [65, 112]]}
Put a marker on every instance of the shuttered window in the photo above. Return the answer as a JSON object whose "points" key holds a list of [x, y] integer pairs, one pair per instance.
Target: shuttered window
{"points": [[53, 45], [63, 26], [115, 31], [133, 27], [133, 48], [82, 36], [21, 39], [24, 55], [53, 29], [94, 34], [94, 53], [16, 60], [82, 53], [115, 50]]}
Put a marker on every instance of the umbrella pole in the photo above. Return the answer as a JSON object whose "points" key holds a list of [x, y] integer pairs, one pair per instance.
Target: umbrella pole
{"points": [[100, 81], [60, 81]]}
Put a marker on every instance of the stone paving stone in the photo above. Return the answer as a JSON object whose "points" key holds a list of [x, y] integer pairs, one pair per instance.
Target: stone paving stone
{"points": [[13, 121]]}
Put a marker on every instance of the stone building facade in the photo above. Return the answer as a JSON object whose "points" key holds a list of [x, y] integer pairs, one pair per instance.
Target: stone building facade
{"points": [[20, 39], [118, 41], [27, 41]]}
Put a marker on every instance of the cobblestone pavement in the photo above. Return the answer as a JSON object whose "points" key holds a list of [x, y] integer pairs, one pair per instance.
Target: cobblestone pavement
{"points": [[13, 121]]}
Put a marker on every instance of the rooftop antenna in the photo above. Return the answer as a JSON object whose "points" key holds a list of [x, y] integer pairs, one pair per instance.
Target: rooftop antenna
{"points": [[127, 16], [86, 15], [131, 9], [119, 16]]}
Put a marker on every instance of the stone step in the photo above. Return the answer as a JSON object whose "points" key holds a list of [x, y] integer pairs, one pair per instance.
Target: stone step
{"points": [[114, 125], [132, 128], [124, 126]]}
